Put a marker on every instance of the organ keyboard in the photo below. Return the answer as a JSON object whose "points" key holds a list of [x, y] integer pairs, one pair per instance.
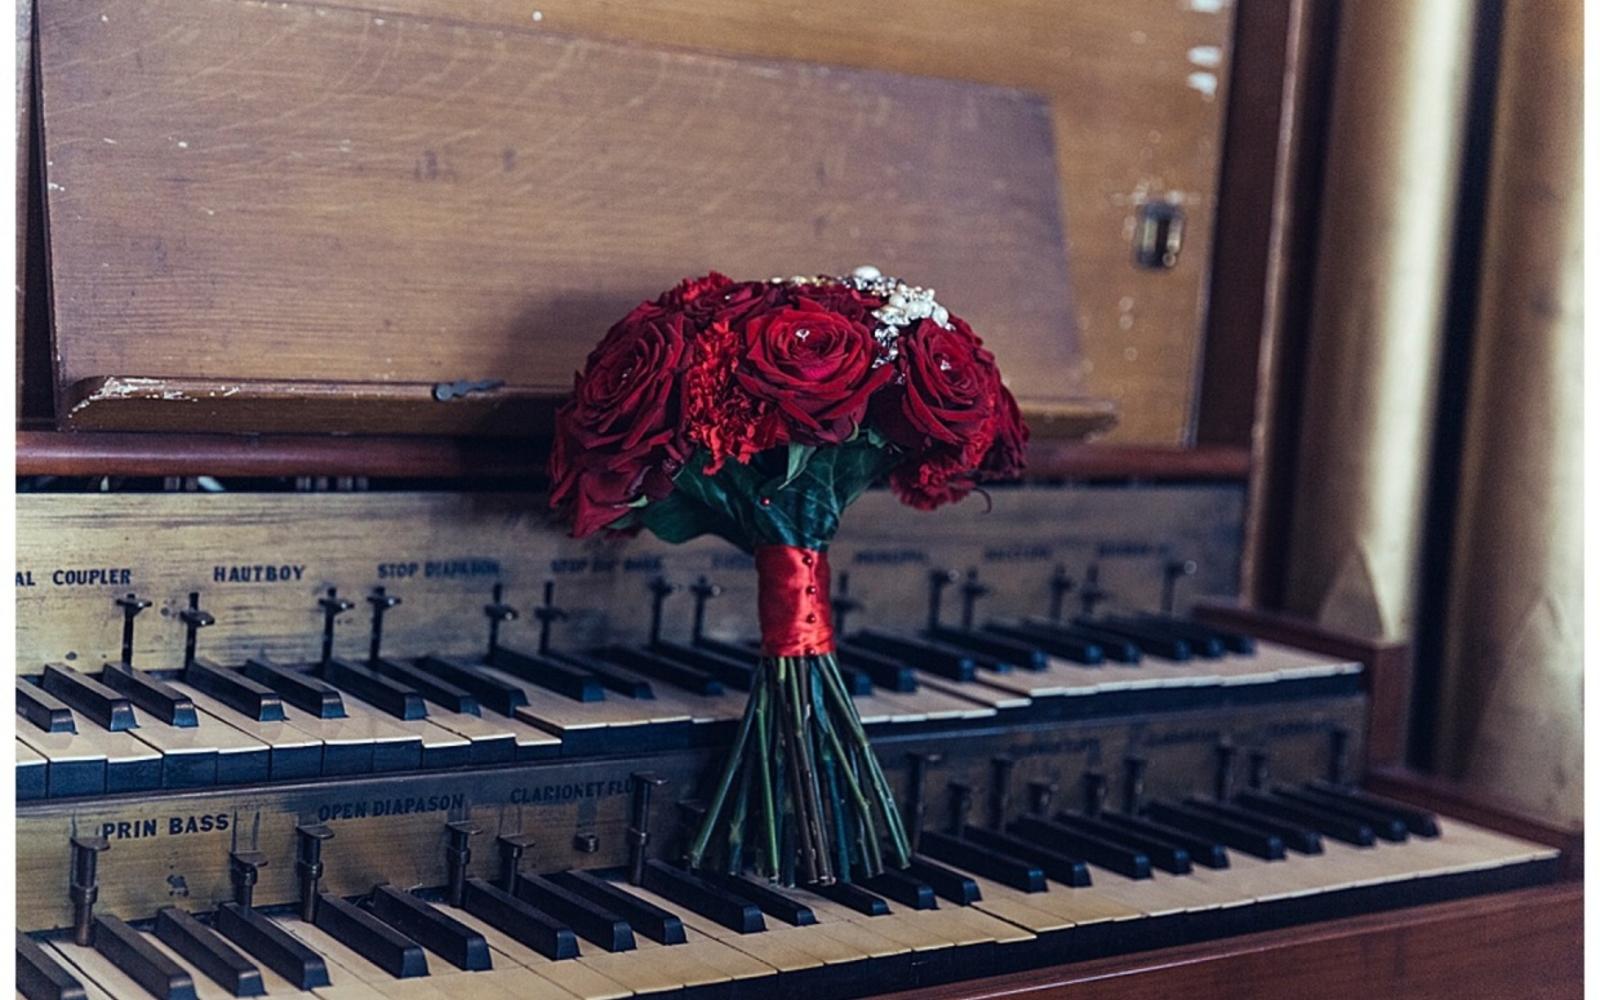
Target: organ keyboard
{"points": [[308, 794]]}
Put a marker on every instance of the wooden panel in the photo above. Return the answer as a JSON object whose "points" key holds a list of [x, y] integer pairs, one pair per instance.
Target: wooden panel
{"points": [[277, 192], [1502, 947], [1137, 92], [256, 406], [259, 562], [298, 406], [56, 453]]}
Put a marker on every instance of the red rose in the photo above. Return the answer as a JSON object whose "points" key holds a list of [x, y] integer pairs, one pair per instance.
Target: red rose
{"points": [[815, 367], [618, 438], [949, 394], [731, 303], [1008, 456], [842, 299]]}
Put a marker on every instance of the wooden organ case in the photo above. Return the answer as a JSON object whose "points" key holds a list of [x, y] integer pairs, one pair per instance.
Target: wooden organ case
{"points": [[315, 699]]}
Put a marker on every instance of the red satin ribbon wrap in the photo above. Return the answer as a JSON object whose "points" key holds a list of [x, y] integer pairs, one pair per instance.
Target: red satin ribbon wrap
{"points": [[792, 600]]}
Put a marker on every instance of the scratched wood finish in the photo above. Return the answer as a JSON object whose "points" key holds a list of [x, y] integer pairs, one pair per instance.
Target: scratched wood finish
{"points": [[172, 544], [1499, 947], [280, 191], [1137, 89]]}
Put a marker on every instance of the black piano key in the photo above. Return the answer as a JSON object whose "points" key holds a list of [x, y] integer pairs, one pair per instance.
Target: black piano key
{"points": [[1058, 865], [273, 946], [161, 700], [1327, 822], [1205, 851], [205, 949], [1056, 642], [1108, 854], [104, 706], [1420, 822], [527, 924], [1003, 868], [1233, 642], [303, 691], [736, 673], [437, 690], [610, 676], [1166, 855], [41, 977], [371, 938], [238, 692], [1250, 840], [550, 674], [1151, 641], [592, 921], [140, 960], [921, 654], [947, 882], [492, 692], [856, 683], [1390, 828], [710, 901], [644, 917], [742, 652], [386, 694], [1202, 643], [1119, 648], [432, 928], [33, 780], [44, 709], [1295, 836], [904, 889], [774, 902], [1024, 654], [853, 897], [662, 669], [884, 671]]}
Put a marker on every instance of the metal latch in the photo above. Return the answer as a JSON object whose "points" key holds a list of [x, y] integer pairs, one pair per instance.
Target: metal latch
{"points": [[1158, 235]]}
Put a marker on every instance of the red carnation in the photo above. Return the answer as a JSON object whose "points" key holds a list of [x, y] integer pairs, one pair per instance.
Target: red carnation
{"points": [[932, 480], [815, 366], [717, 413], [693, 290], [619, 438]]}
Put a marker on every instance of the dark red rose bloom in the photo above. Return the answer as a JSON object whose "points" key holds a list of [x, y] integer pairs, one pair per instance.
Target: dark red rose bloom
{"points": [[842, 299], [619, 438], [949, 394], [732, 303], [1008, 456], [815, 367]]}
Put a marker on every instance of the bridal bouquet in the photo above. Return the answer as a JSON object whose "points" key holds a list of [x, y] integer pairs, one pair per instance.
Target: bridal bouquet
{"points": [[758, 411]]}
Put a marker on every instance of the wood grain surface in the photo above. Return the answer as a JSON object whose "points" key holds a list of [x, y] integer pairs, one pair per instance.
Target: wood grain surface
{"points": [[440, 190], [288, 192], [1138, 91], [1501, 947]]}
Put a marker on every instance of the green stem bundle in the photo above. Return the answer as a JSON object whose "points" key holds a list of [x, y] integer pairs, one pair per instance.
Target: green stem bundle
{"points": [[801, 777]]}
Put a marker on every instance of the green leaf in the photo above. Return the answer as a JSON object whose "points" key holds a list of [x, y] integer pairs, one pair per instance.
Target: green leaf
{"points": [[799, 455]]}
